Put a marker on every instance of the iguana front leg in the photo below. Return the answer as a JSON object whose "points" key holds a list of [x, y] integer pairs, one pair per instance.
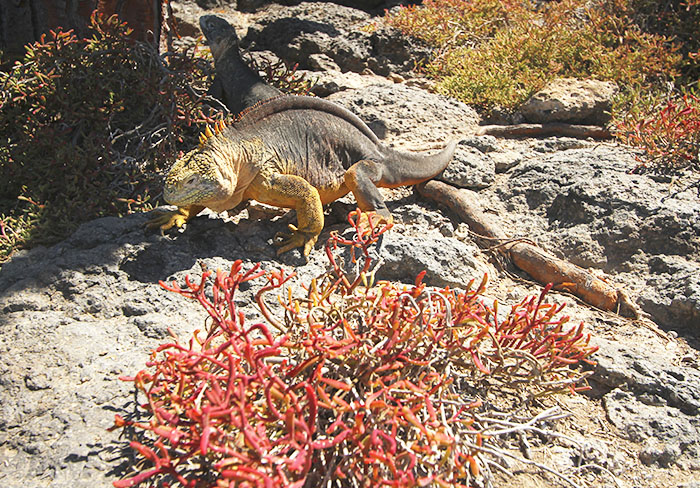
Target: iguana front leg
{"points": [[174, 218], [292, 192]]}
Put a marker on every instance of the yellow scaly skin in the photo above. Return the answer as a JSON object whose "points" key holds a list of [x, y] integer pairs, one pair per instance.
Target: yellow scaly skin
{"points": [[219, 175]]}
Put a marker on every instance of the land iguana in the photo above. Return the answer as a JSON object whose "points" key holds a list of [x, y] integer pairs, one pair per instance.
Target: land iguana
{"points": [[295, 152], [235, 84]]}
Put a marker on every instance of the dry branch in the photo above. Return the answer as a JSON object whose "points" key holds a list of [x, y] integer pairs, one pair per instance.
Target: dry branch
{"points": [[545, 130], [536, 262]]}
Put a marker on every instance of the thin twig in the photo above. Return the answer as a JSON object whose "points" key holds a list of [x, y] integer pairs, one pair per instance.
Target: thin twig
{"points": [[499, 452], [598, 466], [502, 469]]}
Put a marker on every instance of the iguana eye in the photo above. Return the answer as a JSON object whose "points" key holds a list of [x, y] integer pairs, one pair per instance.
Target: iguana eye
{"points": [[190, 180]]}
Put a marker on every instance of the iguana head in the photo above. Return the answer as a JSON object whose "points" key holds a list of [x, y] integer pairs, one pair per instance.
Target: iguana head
{"points": [[196, 179], [216, 174], [219, 33]]}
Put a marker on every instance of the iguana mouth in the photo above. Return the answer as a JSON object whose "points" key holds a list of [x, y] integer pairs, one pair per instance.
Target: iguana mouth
{"points": [[187, 197]]}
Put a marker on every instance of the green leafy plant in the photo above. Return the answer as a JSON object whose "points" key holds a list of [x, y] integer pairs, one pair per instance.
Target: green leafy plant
{"points": [[497, 53], [373, 384], [451, 23], [674, 19], [86, 125]]}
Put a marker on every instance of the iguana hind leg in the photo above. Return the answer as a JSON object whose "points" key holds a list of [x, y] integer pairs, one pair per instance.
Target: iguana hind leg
{"points": [[362, 179], [165, 220]]}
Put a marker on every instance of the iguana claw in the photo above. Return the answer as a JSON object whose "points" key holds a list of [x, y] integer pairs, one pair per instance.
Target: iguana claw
{"points": [[298, 238], [167, 219]]}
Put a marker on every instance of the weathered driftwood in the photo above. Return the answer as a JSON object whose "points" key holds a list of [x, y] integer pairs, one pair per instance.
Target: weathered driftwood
{"points": [[526, 256], [545, 130]]}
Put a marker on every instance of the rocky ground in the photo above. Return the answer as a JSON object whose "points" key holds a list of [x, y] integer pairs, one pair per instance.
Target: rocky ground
{"points": [[76, 316]]}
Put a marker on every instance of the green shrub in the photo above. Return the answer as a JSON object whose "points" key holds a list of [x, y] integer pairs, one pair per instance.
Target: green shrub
{"points": [[678, 20], [497, 53], [86, 125], [505, 71], [449, 23]]}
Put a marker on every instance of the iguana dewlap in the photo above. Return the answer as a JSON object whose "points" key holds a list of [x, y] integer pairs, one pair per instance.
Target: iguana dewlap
{"points": [[294, 152]]}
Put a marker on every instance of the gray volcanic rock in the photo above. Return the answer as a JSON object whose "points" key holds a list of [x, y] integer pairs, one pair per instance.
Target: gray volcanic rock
{"points": [[672, 294], [65, 340], [408, 116], [332, 80], [668, 436], [586, 205], [348, 36], [469, 168], [447, 261], [648, 372]]}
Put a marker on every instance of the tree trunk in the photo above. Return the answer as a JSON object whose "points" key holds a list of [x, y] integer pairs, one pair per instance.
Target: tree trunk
{"points": [[24, 21]]}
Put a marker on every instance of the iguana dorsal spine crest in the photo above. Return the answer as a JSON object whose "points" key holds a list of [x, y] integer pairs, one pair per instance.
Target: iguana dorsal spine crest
{"points": [[219, 126]]}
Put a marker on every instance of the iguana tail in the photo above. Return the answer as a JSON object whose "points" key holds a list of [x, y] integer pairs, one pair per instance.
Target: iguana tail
{"points": [[404, 168]]}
